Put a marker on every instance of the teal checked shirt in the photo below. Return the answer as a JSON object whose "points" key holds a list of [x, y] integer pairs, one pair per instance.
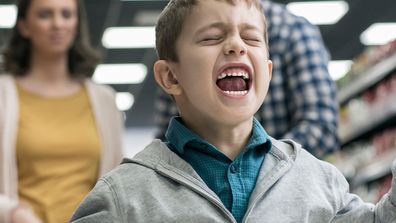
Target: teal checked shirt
{"points": [[232, 180]]}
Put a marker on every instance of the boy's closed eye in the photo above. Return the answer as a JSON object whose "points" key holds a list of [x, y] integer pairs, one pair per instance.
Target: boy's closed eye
{"points": [[253, 39], [210, 40]]}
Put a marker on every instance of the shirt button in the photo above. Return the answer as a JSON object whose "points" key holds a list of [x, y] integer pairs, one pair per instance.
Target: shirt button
{"points": [[233, 169]]}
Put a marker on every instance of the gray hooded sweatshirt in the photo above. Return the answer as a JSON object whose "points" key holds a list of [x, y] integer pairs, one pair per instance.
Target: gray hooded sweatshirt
{"points": [[292, 187]]}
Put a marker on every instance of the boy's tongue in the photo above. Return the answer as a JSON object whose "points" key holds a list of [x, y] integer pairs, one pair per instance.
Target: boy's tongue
{"points": [[232, 84]]}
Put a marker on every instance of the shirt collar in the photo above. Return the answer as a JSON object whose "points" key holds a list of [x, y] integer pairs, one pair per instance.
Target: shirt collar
{"points": [[259, 136], [178, 135]]}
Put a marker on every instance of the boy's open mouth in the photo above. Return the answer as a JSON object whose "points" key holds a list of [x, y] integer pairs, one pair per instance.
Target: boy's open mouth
{"points": [[234, 81]]}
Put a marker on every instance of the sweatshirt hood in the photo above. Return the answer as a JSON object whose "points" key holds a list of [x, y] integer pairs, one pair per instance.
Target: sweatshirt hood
{"points": [[157, 154]]}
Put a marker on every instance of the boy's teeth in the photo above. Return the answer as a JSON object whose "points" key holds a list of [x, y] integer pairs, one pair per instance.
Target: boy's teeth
{"points": [[235, 92], [240, 74], [221, 76]]}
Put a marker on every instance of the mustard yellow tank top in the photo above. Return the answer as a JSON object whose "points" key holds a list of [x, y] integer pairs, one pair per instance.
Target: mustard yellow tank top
{"points": [[58, 153]]}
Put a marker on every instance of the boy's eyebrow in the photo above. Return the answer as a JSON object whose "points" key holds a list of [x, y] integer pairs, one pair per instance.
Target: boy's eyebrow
{"points": [[218, 25], [223, 26], [247, 26]]}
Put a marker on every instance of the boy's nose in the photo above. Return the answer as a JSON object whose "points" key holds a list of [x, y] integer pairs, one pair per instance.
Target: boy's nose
{"points": [[235, 46]]}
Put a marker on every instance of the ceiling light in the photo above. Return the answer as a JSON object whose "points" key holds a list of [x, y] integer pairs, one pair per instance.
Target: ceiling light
{"points": [[378, 34], [124, 100], [8, 14], [338, 68], [120, 73], [129, 37], [320, 12]]}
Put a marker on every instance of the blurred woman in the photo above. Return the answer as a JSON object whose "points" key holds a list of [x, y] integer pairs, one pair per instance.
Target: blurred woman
{"points": [[58, 131]]}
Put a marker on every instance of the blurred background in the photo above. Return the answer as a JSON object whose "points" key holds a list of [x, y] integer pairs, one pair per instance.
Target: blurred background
{"points": [[359, 35]]}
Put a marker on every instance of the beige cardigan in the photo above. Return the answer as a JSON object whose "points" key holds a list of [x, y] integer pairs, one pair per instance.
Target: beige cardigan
{"points": [[108, 120]]}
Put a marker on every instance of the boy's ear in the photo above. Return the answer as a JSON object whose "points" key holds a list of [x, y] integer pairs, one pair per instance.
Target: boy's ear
{"points": [[165, 77], [270, 68]]}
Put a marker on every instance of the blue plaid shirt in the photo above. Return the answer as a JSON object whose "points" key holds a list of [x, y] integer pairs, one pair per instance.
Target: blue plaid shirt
{"points": [[232, 180], [301, 102]]}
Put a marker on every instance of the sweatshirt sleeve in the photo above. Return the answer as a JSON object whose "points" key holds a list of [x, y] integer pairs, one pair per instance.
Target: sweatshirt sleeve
{"points": [[100, 205], [354, 210]]}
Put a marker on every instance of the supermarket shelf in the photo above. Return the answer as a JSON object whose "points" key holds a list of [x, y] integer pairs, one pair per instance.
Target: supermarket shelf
{"points": [[379, 168], [374, 124], [367, 79]]}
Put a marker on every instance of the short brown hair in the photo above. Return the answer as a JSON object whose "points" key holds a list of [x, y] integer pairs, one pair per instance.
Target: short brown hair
{"points": [[82, 58], [170, 23]]}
